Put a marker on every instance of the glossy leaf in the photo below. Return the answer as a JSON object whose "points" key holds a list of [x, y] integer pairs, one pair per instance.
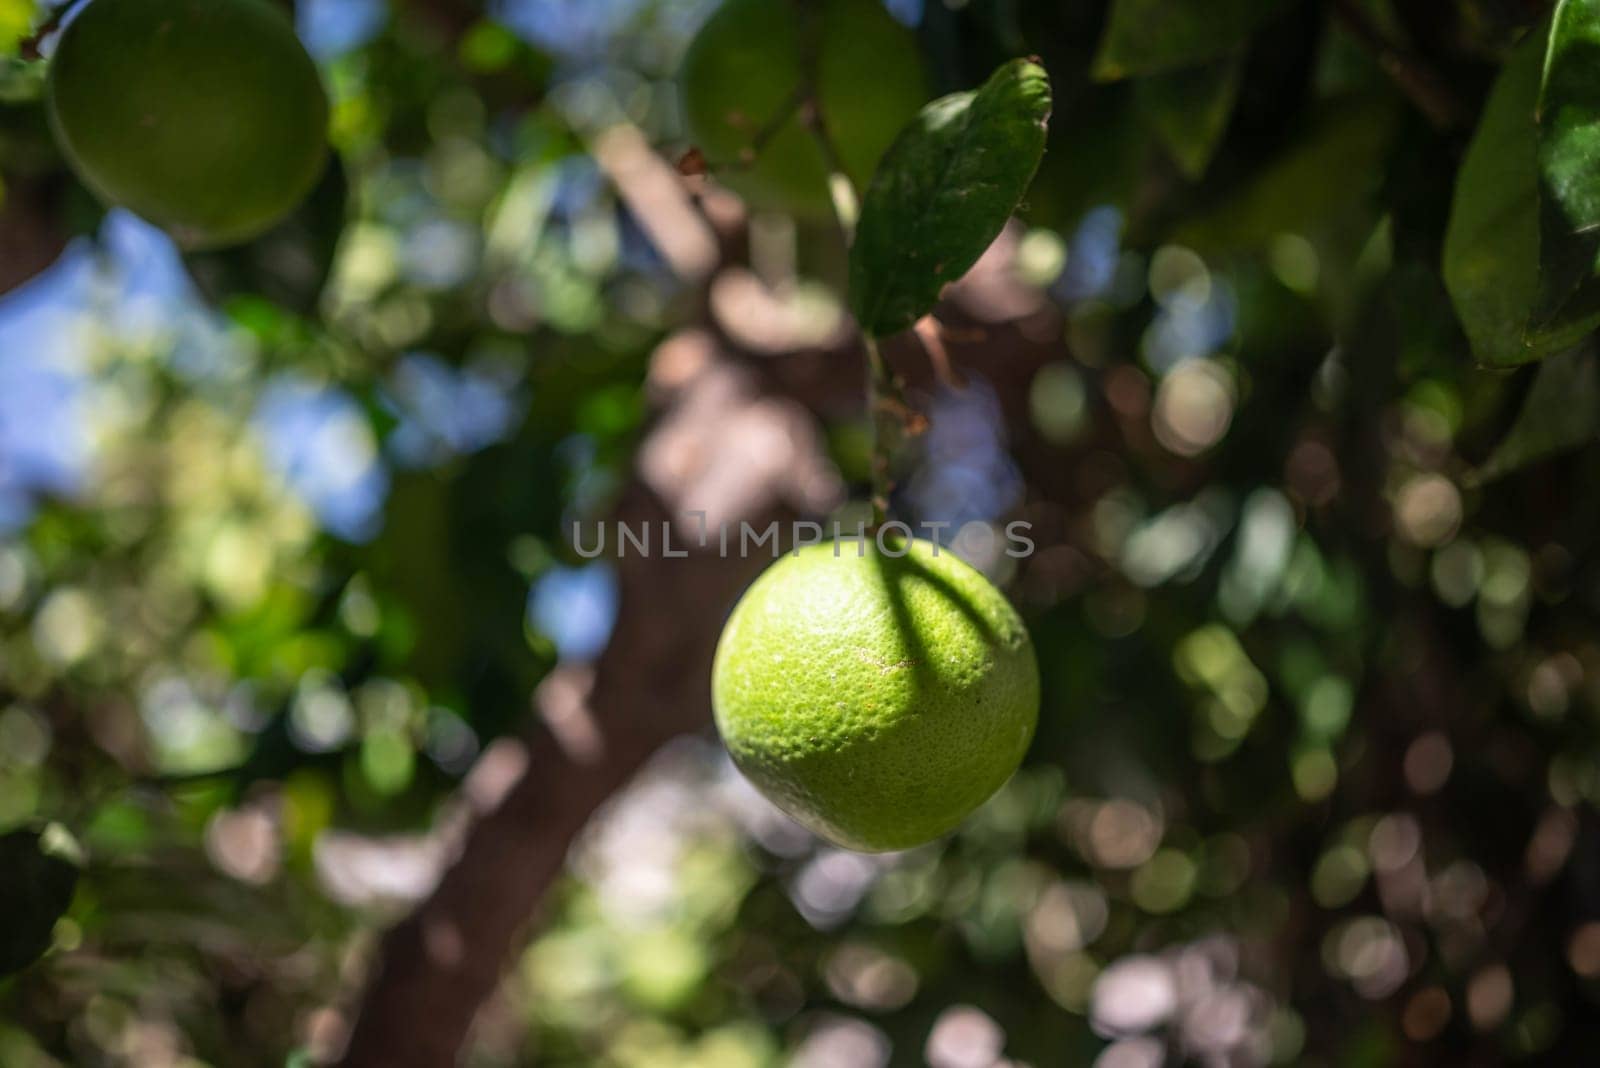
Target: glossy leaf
{"points": [[1491, 248], [942, 194], [1189, 110], [1146, 36], [1569, 156], [37, 878]]}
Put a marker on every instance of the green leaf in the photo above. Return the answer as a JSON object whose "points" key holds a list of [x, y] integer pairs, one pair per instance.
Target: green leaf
{"points": [[16, 19], [1569, 156], [1491, 246], [288, 265], [1189, 109], [942, 194], [1146, 36], [1560, 412], [38, 873], [1326, 182], [1100, 123]]}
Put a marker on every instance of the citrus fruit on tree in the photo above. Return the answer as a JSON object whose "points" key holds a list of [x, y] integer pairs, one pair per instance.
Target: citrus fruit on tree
{"points": [[878, 699], [741, 76], [206, 117]]}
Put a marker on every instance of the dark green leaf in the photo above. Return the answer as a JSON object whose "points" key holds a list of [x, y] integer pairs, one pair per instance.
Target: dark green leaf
{"points": [[37, 878], [1146, 36], [1100, 123], [1491, 248], [1189, 109], [1327, 180], [288, 264], [1569, 156], [1560, 412], [943, 193]]}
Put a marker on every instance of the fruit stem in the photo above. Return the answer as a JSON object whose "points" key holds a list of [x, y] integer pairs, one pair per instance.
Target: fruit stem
{"points": [[892, 418], [883, 392], [763, 135]]}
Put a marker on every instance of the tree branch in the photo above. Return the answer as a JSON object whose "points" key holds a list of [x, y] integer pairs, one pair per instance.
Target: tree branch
{"points": [[444, 961], [30, 239], [1426, 88]]}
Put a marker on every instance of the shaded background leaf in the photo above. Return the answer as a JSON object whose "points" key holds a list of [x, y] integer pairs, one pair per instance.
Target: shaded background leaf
{"points": [[1491, 248], [943, 193], [1145, 36], [289, 264], [1325, 180], [37, 879], [1188, 110], [1560, 412]]}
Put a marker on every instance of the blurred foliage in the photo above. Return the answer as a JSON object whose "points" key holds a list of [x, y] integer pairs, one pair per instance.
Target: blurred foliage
{"points": [[41, 874], [283, 548]]}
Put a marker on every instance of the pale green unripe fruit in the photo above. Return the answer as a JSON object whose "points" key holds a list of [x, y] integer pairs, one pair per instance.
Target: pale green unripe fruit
{"points": [[204, 117], [743, 68], [876, 699]]}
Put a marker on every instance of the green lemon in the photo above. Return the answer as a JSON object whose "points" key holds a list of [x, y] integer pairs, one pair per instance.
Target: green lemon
{"points": [[206, 117], [741, 73], [878, 699]]}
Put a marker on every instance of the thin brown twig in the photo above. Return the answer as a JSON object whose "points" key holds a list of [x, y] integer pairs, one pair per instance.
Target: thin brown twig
{"points": [[893, 420], [1423, 85], [693, 163], [750, 154], [816, 121], [29, 47], [932, 333]]}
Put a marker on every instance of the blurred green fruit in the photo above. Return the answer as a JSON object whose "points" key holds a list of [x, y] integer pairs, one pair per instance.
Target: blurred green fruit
{"points": [[742, 72], [206, 117], [876, 699]]}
